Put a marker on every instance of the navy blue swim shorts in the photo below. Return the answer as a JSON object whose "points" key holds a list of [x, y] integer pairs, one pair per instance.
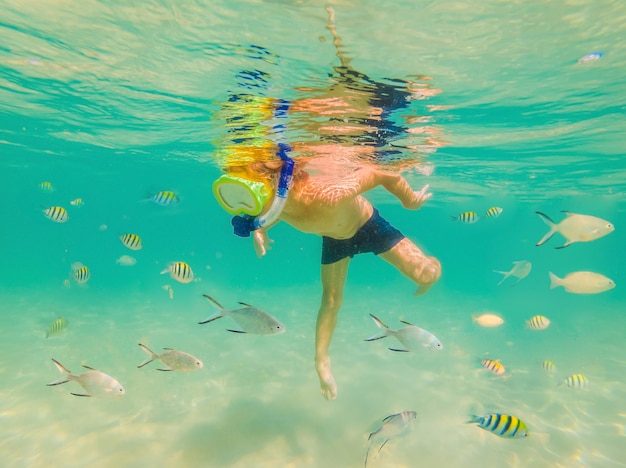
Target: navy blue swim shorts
{"points": [[376, 236]]}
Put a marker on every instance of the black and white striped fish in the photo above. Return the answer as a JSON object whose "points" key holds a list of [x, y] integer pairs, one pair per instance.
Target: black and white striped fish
{"points": [[57, 327], [180, 271], [503, 425], [132, 241], [80, 273], [165, 198], [467, 217], [58, 214]]}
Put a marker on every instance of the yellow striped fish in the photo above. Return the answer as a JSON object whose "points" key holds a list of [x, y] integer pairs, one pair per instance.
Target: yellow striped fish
{"points": [[80, 273], [468, 217], [57, 327], [77, 202], [538, 322], [132, 241], [502, 425], [494, 212], [576, 381], [58, 214], [46, 187], [164, 198], [493, 365], [548, 366], [180, 271]]}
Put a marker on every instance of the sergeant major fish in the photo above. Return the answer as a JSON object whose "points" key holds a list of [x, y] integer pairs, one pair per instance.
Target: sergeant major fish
{"points": [[503, 425], [411, 337], [94, 382], [180, 271], [57, 327], [467, 217], [58, 214], [174, 360], [392, 426], [250, 319], [576, 228]]}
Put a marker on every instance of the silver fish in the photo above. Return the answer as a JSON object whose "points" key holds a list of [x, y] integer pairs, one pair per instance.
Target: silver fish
{"points": [[520, 270], [173, 359], [411, 337], [582, 282], [94, 382], [250, 319], [392, 426], [576, 228]]}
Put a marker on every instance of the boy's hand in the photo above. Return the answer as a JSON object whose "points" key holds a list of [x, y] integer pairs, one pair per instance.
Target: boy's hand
{"points": [[419, 197], [262, 243]]}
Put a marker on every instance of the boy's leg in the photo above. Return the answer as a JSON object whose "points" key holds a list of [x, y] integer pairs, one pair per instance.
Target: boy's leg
{"points": [[411, 262], [333, 280]]}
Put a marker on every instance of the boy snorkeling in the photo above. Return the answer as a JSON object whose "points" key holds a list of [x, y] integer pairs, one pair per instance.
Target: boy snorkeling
{"points": [[332, 206]]}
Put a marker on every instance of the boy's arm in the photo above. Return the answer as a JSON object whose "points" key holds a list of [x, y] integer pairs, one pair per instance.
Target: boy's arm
{"points": [[369, 178]]}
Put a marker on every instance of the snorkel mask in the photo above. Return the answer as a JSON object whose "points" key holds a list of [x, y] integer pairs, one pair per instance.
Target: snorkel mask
{"points": [[246, 199]]}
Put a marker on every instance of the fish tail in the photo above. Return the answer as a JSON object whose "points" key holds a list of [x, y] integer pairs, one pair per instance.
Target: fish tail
{"points": [[505, 273], [380, 324], [220, 310], [555, 281], [546, 219], [67, 375], [474, 419], [150, 353]]}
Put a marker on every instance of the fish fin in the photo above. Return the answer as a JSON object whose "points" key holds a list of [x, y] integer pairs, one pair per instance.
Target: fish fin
{"points": [[60, 381], [165, 370], [80, 394], [568, 213], [382, 445], [87, 367], [167, 270], [213, 301], [378, 336], [407, 323], [473, 419], [236, 331], [567, 244], [546, 219], [555, 281], [379, 322], [147, 350], [399, 350], [169, 349], [387, 418], [211, 318], [147, 361], [244, 304]]}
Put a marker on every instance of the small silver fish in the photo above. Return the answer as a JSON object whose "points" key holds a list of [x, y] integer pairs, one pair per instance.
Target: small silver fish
{"points": [[411, 337], [180, 271], [173, 359], [521, 269], [576, 228], [250, 319], [94, 382], [126, 260], [582, 282], [392, 426], [57, 327], [58, 214]]}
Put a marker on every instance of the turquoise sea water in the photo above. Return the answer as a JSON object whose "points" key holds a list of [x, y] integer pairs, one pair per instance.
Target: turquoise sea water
{"points": [[114, 101]]}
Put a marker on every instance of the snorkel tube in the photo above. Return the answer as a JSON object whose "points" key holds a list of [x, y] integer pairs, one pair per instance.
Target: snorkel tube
{"points": [[243, 225]]}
